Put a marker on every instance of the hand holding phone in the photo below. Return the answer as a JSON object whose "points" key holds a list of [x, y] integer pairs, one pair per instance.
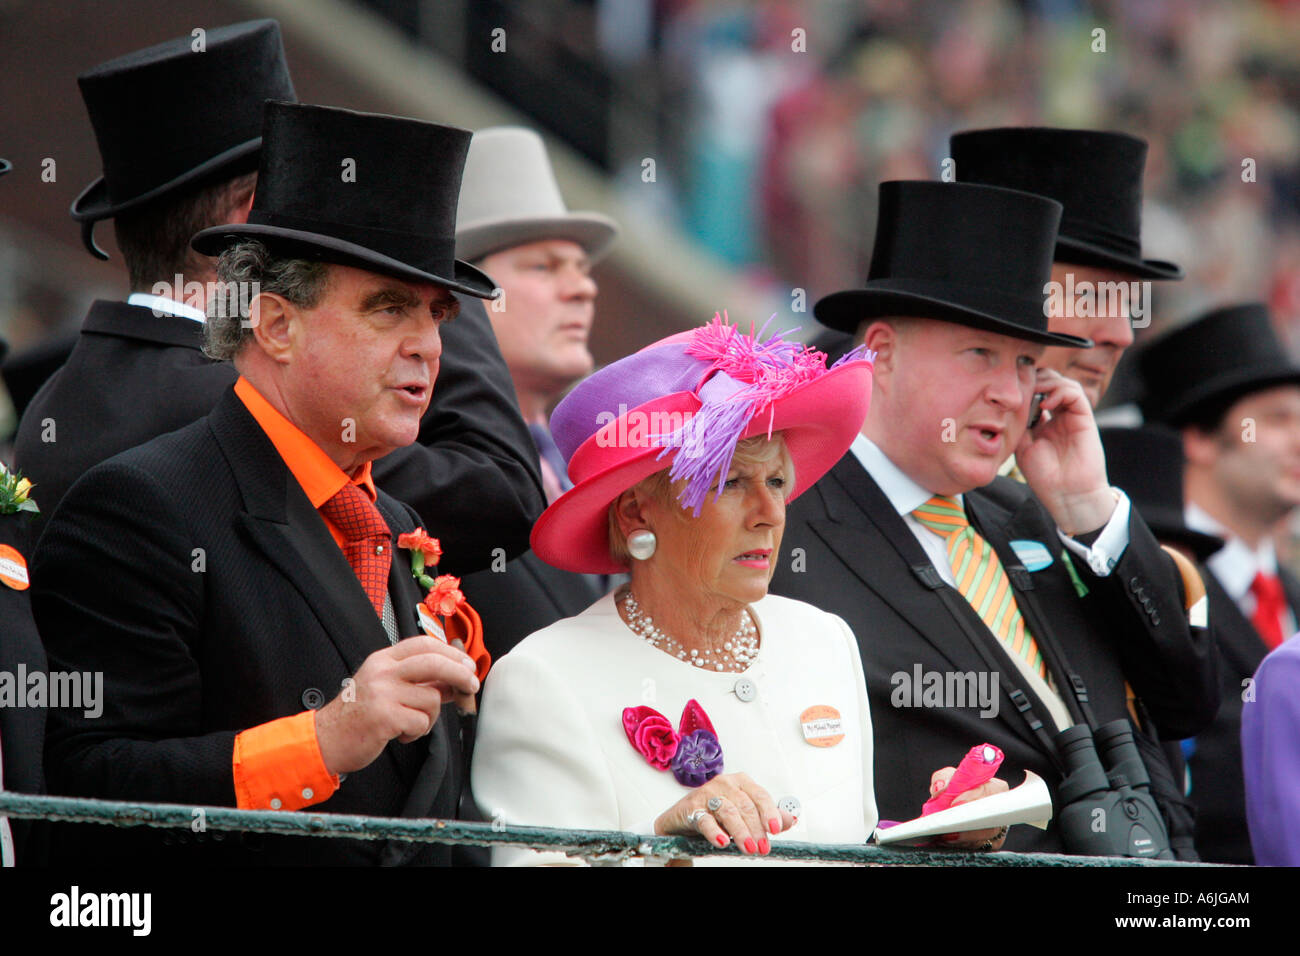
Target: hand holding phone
{"points": [[1036, 409]]}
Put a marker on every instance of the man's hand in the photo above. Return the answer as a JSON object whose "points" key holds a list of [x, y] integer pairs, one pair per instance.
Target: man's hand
{"points": [[970, 839], [1062, 459], [397, 693]]}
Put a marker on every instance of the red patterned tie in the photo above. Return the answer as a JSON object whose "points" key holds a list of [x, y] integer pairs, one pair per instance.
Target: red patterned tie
{"points": [[1269, 605], [367, 540]]}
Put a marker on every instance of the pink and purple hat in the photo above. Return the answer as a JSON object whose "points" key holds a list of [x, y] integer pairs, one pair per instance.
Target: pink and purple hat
{"points": [[683, 403]]}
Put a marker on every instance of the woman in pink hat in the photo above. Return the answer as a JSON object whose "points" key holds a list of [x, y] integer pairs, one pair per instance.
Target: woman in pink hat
{"points": [[690, 701]]}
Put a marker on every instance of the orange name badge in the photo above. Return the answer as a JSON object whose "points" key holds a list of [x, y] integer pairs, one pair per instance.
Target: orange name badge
{"points": [[13, 569], [822, 725]]}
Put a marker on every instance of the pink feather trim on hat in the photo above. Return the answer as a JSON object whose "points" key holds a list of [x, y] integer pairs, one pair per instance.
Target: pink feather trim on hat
{"points": [[746, 377]]}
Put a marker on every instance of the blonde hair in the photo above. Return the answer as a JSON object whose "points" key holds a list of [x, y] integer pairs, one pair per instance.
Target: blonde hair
{"points": [[755, 450]]}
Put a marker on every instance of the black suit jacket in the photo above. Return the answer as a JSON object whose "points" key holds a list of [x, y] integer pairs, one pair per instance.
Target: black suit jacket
{"points": [[858, 556], [131, 376], [472, 475], [22, 729], [195, 574], [526, 596], [1218, 789]]}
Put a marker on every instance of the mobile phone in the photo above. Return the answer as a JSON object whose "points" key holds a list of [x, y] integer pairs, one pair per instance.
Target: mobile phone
{"points": [[1036, 409]]}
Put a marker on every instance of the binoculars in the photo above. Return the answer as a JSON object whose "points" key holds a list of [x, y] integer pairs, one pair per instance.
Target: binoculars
{"points": [[1107, 806]]}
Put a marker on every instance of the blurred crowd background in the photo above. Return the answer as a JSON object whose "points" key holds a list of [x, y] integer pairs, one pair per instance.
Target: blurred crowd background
{"points": [[752, 135], [773, 121]]}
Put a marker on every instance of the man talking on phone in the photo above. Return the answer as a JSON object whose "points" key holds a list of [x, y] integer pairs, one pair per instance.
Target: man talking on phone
{"points": [[948, 573]]}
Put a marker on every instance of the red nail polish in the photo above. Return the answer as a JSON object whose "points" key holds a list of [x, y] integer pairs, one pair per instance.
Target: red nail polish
{"points": [[774, 825], [750, 847], [722, 839], [764, 847]]}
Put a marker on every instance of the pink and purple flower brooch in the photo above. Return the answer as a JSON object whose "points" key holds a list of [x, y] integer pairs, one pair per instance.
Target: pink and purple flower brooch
{"points": [[691, 751]]}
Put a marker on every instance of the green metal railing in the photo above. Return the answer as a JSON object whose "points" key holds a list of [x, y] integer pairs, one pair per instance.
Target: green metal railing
{"points": [[596, 846]]}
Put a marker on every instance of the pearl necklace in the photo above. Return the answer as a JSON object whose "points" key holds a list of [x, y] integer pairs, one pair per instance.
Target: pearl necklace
{"points": [[737, 652]]}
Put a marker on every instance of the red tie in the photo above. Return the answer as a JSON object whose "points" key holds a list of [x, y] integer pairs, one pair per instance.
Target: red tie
{"points": [[367, 540], [1269, 607]]}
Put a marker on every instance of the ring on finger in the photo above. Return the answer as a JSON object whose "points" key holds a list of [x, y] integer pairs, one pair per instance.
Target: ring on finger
{"points": [[715, 804], [694, 817]]}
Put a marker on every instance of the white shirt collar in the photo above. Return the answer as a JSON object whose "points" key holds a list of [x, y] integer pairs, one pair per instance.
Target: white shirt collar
{"points": [[903, 493], [161, 305], [1235, 564]]}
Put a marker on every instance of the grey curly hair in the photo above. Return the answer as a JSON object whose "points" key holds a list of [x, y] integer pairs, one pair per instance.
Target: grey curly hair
{"points": [[245, 270]]}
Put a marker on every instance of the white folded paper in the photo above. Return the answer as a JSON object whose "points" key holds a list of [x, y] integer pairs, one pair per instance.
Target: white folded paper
{"points": [[1031, 803]]}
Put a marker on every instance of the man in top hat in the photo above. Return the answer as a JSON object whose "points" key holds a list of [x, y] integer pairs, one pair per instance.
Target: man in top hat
{"points": [[138, 371], [1096, 176], [943, 569], [512, 223], [22, 729], [1098, 264], [1100, 279], [240, 583], [1226, 383]]}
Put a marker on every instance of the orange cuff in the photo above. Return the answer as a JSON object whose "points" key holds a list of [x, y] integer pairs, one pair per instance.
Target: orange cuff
{"points": [[466, 625], [278, 765]]}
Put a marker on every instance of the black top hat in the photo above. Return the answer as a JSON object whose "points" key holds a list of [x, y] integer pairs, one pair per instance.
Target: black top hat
{"points": [[1220, 357], [170, 116], [378, 192], [1147, 463], [975, 255], [1095, 175]]}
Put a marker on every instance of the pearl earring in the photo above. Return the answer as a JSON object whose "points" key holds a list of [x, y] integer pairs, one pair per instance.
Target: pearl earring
{"points": [[641, 544]]}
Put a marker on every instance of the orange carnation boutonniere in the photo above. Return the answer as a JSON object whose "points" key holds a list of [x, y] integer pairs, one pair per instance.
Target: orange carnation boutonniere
{"points": [[444, 613], [444, 597], [425, 550]]}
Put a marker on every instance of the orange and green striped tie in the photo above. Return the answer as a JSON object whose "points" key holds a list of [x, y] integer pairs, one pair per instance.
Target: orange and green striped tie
{"points": [[980, 578]]}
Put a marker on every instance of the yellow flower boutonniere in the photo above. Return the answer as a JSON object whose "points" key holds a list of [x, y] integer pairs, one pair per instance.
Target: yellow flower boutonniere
{"points": [[14, 491]]}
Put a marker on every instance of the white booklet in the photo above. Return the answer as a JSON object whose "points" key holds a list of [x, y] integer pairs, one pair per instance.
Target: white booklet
{"points": [[1031, 803]]}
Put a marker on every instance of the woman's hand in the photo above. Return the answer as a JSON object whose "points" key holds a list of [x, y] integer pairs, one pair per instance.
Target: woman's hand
{"points": [[970, 839], [746, 813]]}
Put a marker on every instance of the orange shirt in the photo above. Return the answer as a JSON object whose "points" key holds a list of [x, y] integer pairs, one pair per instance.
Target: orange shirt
{"points": [[278, 765]]}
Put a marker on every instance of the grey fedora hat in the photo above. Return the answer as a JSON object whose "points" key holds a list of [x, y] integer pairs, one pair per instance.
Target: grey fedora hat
{"points": [[509, 197]]}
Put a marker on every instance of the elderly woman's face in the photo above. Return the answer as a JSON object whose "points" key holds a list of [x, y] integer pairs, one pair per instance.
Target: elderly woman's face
{"points": [[731, 549]]}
